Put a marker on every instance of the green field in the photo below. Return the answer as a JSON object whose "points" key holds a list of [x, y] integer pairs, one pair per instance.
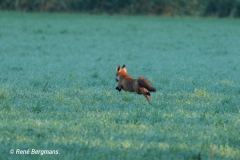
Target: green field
{"points": [[57, 87]]}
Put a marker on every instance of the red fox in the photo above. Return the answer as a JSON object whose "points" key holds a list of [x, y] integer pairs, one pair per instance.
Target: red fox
{"points": [[127, 83]]}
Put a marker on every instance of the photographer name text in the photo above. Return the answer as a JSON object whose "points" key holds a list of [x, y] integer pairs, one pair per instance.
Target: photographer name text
{"points": [[34, 151]]}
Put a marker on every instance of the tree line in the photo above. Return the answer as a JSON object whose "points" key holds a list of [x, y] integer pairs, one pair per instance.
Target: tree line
{"points": [[220, 8]]}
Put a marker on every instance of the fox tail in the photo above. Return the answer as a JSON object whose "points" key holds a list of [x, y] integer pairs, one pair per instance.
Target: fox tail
{"points": [[143, 82]]}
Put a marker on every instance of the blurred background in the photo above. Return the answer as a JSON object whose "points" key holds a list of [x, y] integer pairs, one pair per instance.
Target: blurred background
{"points": [[219, 8]]}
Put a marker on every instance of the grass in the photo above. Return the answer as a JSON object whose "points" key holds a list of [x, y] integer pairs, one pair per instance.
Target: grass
{"points": [[57, 86]]}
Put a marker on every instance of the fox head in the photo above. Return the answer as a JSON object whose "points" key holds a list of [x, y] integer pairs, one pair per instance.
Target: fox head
{"points": [[120, 71]]}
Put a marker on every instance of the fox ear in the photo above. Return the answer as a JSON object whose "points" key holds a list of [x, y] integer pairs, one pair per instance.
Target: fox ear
{"points": [[118, 68], [124, 68]]}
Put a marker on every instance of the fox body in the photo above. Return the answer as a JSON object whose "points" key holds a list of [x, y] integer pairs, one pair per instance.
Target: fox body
{"points": [[140, 85]]}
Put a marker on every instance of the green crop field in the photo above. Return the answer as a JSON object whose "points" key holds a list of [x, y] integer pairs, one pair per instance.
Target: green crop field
{"points": [[57, 87]]}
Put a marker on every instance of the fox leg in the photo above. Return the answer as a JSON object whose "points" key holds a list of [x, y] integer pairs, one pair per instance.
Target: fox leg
{"points": [[147, 97], [145, 92], [119, 88]]}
